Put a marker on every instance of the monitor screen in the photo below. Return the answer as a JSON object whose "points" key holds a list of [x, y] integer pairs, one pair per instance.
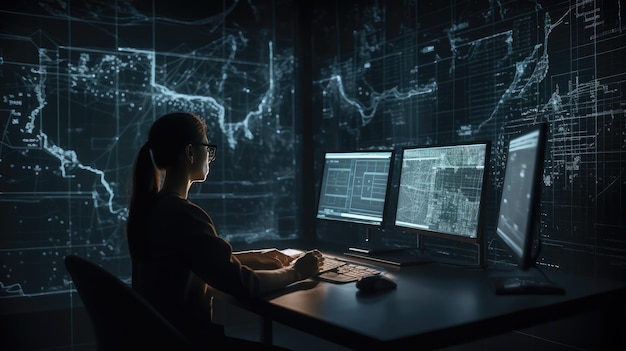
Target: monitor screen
{"points": [[521, 192], [354, 186], [441, 190]]}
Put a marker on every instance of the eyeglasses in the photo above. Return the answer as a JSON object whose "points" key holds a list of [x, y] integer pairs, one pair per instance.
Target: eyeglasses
{"points": [[211, 149]]}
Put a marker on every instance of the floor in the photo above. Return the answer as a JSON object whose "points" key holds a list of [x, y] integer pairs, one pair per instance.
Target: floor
{"points": [[243, 324], [248, 328]]}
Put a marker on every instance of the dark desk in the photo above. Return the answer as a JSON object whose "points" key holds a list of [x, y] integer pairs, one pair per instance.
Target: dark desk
{"points": [[434, 306]]}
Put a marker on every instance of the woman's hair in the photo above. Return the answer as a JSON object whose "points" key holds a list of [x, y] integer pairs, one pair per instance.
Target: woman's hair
{"points": [[167, 138]]}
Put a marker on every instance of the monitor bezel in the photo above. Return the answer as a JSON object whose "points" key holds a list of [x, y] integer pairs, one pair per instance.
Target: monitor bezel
{"points": [[525, 260], [482, 206], [353, 221]]}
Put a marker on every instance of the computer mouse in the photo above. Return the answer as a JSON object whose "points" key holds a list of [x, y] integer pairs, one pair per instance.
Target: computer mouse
{"points": [[375, 283]]}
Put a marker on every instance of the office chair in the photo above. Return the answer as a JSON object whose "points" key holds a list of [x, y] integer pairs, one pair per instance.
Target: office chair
{"points": [[121, 318]]}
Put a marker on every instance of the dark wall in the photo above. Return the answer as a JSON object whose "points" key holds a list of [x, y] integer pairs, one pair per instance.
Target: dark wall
{"points": [[80, 85], [389, 74]]}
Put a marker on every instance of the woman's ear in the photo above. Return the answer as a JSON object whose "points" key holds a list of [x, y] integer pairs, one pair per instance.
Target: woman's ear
{"points": [[189, 153]]}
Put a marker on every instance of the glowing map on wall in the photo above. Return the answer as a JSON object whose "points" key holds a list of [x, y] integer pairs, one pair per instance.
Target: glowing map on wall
{"points": [[421, 73], [81, 84]]}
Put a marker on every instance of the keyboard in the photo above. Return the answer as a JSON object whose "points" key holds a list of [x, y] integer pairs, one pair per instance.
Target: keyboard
{"points": [[336, 270]]}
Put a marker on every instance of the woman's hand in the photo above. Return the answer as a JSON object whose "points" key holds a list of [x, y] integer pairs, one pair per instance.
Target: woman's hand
{"points": [[308, 264]]}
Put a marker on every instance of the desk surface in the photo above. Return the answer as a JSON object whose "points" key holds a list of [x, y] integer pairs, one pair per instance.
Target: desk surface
{"points": [[435, 305]]}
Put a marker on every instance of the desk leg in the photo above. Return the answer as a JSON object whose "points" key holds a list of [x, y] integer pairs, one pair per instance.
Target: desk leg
{"points": [[613, 327], [267, 333]]}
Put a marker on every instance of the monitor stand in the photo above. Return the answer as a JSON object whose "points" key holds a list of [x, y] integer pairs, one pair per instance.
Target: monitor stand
{"points": [[399, 256], [519, 282], [396, 256], [526, 281]]}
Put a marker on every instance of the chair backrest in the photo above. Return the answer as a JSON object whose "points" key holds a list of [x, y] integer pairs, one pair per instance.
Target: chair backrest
{"points": [[121, 318]]}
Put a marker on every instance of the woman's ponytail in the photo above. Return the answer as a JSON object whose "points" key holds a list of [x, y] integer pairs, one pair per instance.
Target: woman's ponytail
{"points": [[145, 184]]}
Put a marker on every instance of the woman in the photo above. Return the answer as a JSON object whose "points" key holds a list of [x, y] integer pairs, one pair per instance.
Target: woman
{"points": [[176, 254]]}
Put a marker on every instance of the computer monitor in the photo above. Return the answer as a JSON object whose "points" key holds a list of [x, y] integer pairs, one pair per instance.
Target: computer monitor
{"points": [[518, 218], [441, 190], [354, 186], [521, 193]]}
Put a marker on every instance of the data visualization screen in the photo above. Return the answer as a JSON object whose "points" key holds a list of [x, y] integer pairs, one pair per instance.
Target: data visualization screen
{"points": [[521, 194], [354, 186], [441, 189]]}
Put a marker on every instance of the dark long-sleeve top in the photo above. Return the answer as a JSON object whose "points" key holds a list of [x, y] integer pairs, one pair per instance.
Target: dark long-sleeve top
{"points": [[183, 259]]}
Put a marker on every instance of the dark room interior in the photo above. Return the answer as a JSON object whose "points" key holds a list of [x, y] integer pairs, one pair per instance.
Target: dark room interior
{"points": [[281, 84]]}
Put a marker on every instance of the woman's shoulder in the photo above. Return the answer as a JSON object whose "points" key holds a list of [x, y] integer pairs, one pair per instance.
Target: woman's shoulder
{"points": [[168, 197], [171, 205], [172, 202]]}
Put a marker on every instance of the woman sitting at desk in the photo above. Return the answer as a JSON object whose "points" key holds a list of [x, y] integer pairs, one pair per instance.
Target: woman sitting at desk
{"points": [[177, 256]]}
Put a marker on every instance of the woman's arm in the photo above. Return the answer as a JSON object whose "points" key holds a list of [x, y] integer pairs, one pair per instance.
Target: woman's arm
{"points": [[263, 259]]}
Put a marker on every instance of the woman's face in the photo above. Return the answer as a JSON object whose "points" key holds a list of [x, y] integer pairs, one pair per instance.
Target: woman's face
{"points": [[200, 168]]}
